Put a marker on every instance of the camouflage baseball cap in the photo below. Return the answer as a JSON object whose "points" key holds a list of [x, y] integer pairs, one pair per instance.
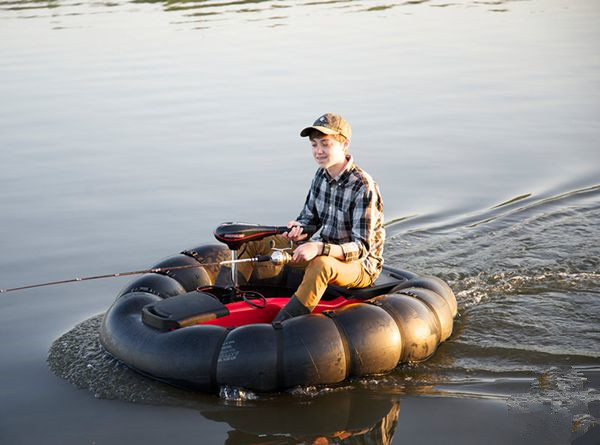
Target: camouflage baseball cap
{"points": [[330, 123]]}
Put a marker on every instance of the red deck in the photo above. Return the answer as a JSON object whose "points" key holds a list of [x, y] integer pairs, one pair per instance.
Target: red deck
{"points": [[241, 313]]}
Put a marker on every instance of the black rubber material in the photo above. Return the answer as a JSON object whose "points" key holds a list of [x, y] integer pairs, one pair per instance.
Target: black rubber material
{"points": [[420, 335], [152, 283], [438, 305], [209, 253], [190, 278], [345, 344], [370, 337], [313, 351], [249, 358], [434, 284], [364, 326], [182, 357]]}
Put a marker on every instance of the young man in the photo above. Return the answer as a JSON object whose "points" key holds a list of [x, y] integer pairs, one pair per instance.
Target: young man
{"points": [[345, 204]]}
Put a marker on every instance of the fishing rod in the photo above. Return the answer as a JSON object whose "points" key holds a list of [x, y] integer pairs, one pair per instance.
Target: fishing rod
{"points": [[234, 234], [278, 257]]}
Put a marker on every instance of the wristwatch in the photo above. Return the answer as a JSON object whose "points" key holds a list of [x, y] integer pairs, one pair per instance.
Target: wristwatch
{"points": [[326, 249]]}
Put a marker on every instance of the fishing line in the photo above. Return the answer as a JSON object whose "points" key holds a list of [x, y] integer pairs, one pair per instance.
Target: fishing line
{"points": [[138, 272]]}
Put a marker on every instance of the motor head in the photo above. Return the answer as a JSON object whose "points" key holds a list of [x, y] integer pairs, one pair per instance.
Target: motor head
{"points": [[234, 234]]}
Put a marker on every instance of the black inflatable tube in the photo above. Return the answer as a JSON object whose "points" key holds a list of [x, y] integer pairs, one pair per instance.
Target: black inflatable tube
{"points": [[209, 253], [190, 278], [420, 330], [182, 357], [248, 356], [437, 304], [365, 338], [152, 283], [363, 325], [434, 284]]}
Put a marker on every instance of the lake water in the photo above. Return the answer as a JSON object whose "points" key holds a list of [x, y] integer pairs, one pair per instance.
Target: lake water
{"points": [[129, 130]]}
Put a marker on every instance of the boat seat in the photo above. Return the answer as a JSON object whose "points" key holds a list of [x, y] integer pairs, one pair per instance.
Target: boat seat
{"points": [[384, 284], [387, 280]]}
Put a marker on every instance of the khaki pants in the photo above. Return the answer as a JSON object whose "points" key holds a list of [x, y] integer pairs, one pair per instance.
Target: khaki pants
{"points": [[319, 272]]}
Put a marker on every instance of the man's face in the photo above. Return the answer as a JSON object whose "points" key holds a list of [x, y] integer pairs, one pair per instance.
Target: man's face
{"points": [[327, 151]]}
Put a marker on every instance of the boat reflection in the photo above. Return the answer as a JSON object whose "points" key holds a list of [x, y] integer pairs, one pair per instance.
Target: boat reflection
{"points": [[349, 417]]}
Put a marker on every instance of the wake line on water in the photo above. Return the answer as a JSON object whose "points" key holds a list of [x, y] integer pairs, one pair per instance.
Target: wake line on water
{"points": [[533, 353], [510, 209], [477, 288]]}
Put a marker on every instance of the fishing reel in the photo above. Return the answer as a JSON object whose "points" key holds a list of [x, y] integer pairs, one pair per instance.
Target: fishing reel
{"points": [[280, 257]]}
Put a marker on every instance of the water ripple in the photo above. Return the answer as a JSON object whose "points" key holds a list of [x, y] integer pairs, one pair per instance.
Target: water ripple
{"points": [[206, 8]]}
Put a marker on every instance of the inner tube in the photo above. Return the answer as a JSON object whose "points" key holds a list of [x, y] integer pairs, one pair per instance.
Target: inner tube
{"points": [[188, 328]]}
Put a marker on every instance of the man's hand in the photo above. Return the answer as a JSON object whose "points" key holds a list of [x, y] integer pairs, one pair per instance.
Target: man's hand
{"points": [[307, 251], [295, 232]]}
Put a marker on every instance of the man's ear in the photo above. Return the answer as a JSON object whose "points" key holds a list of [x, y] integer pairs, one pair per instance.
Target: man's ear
{"points": [[346, 145]]}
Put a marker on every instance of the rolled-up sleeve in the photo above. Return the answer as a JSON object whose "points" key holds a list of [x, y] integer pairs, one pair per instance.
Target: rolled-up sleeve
{"points": [[352, 251]]}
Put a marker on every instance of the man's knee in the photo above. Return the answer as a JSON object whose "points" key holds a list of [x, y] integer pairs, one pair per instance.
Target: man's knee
{"points": [[322, 265]]}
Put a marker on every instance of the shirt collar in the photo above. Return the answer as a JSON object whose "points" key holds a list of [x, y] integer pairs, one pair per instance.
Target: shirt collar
{"points": [[344, 174]]}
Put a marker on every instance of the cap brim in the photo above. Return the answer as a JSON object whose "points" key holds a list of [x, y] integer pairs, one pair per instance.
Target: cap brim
{"points": [[324, 130]]}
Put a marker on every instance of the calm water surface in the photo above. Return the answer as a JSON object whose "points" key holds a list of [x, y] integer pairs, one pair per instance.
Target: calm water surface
{"points": [[129, 130]]}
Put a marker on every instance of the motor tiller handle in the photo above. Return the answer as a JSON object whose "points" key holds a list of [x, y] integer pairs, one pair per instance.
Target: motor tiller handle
{"points": [[308, 229], [234, 234]]}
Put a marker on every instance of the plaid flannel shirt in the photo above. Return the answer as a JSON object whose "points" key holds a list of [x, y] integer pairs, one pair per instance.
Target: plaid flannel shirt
{"points": [[349, 211]]}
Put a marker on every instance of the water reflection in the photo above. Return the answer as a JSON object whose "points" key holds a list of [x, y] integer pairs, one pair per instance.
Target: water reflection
{"points": [[348, 417], [208, 10]]}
